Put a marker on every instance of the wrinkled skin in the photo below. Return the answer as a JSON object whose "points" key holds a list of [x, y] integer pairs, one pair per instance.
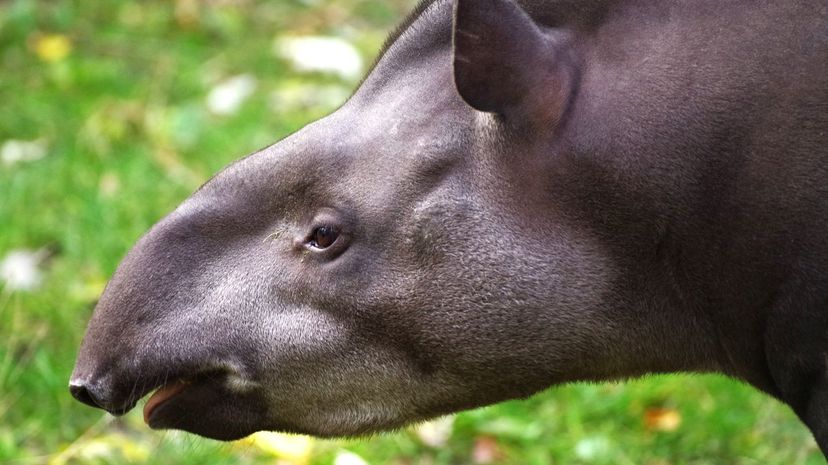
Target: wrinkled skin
{"points": [[523, 196]]}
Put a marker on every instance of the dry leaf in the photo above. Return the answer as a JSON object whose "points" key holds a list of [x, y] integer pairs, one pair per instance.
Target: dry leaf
{"points": [[662, 419]]}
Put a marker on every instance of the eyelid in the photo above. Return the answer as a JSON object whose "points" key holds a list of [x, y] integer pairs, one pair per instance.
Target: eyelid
{"points": [[326, 217]]}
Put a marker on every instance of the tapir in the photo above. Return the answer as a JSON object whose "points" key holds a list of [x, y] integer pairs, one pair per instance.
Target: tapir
{"points": [[519, 194]]}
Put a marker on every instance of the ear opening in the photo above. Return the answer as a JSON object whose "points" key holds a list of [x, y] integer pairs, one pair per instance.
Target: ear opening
{"points": [[504, 63]]}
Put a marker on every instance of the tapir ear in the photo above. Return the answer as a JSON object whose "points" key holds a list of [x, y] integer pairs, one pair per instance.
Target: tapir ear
{"points": [[504, 63]]}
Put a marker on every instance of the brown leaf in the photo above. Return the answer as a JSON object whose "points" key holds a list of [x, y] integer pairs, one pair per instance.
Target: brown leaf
{"points": [[662, 419]]}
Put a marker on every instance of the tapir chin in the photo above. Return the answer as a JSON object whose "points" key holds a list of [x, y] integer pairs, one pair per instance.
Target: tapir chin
{"points": [[519, 194]]}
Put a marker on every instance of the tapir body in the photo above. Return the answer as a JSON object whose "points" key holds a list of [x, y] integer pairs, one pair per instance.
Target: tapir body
{"points": [[517, 195]]}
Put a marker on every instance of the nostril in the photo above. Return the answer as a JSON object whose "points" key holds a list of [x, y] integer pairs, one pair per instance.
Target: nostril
{"points": [[81, 393], [94, 395]]}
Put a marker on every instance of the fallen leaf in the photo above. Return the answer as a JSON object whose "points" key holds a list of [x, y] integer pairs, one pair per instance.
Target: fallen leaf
{"points": [[662, 419], [291, 448], [435, 433], [52, 47]]}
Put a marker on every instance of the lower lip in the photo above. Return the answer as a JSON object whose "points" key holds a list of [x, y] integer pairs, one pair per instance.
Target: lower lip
{"points": [[161, 396]]}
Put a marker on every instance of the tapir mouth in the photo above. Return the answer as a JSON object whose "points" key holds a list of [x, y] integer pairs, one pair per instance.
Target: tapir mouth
{"points": [[172, 392], [221, 400], [221, 403], [162, 395]]}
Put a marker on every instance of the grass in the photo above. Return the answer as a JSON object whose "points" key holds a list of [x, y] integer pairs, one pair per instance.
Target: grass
{"points": [[116, 95]]}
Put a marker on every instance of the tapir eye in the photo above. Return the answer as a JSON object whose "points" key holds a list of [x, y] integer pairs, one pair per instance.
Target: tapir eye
{"points": [[323, 237]]}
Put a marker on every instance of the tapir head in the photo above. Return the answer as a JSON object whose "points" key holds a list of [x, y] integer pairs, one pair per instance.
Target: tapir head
{"points": [[422, 250]]}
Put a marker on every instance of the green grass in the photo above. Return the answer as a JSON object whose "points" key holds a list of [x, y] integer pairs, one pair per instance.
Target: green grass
{"points": [[128, 137]]}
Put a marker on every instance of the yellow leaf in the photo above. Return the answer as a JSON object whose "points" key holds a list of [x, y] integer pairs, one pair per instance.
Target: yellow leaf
{"points": [[292, 448], [52, 47]]}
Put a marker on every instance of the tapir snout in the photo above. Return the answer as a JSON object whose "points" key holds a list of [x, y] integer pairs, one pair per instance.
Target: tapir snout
{"points": [[147, 334], [518, 195]]}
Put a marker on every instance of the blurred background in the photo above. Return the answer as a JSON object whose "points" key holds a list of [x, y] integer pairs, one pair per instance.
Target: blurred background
{"points": [[111, 113]]}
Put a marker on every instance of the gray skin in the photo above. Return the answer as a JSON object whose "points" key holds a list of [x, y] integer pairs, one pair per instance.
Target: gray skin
{"points": [[525, 195]]}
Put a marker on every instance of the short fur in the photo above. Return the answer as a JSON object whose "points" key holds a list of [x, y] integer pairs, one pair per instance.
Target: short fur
{"points": [[628, 186]]}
